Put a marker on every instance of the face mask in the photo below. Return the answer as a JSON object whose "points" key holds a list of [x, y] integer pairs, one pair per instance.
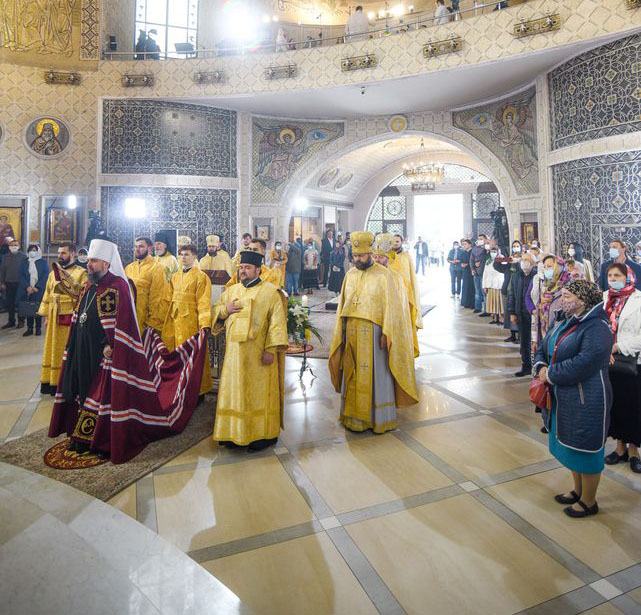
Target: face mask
{"points": [[535, 245], [278, 246], [516, 249], [82, 258], [549, 274], [33, 255], [492, 255], [614, 253], [617, 285], [479, 242], [526, 267], [13, 249], [456, 246], [571, 251], [535, 258], [569, 308]]}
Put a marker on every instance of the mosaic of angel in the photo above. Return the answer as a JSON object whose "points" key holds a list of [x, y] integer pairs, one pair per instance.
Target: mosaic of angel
{"points": [[519, 148]]}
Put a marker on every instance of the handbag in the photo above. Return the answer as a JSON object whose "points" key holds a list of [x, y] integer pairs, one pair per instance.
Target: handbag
{"points": [[28, 309], [624, 364]]}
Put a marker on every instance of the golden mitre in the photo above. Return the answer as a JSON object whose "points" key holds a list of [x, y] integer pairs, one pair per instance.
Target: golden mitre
{"points": [[383, 244], [213, 240], [183, 240], [362, 242]]}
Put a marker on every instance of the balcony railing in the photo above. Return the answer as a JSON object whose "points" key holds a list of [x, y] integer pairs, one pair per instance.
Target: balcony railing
{"points": [[383, 27]]}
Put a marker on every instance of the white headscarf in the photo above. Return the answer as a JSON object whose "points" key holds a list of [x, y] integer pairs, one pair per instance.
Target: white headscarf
{"points": [[33, 270], [108, 251]]}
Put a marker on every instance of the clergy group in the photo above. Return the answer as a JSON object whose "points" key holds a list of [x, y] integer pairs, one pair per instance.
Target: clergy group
{"points": [[127, 358]]}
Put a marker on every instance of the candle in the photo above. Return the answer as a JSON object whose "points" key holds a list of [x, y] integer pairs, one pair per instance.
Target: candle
{"points": [[304, 300]]}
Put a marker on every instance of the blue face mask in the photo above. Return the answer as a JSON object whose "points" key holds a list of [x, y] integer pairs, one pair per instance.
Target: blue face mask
{"points": [[614, 253], [548, 273], [617, 285]]}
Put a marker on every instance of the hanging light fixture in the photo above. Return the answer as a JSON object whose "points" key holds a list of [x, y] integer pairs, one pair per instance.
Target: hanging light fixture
{"points": [[421, 171]]}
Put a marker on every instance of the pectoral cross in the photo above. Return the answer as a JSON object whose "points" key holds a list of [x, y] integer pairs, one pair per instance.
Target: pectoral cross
{"points": [[108, 303]]}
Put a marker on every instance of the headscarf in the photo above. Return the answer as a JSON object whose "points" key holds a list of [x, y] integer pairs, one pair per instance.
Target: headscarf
{"points": [[617, 299], [587, 292], [550, 291], [33, 270], [560, 276]]}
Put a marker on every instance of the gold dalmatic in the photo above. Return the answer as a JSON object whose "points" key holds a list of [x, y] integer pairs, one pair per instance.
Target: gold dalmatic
{"points": [[401, 263], [220, 262], [148, 277], [169, 263], [251, 395]]}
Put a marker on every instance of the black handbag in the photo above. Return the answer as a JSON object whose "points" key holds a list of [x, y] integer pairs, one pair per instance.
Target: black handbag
{"points": [[624, 364], [28, 309]]}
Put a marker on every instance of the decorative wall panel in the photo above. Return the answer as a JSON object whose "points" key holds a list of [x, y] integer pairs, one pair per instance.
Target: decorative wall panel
{"points": [[280, 147], [195, 212], [596, 200], [508, 128], [152, 136], [90, 30], [597, 94]]}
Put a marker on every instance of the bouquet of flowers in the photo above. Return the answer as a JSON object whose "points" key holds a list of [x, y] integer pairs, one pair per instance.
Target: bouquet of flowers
{"points": [[299, 327]]}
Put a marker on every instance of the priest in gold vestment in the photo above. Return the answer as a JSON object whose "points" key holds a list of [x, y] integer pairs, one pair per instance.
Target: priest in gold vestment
{"points": [[216, 259], [371, 356], [148, 277], [401, 262], [266, 274], [163, 256], [185, 308], [245, 240], [59, 299], [251, 392], [381, 254]]}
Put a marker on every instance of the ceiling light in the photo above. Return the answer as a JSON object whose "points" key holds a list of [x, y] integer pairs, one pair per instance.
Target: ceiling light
{"points": [[302, 203], [135, 208], [72, 201], [398, 10]]}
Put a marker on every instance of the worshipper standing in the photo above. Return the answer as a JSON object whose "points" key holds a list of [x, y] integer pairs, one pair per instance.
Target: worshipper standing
{"points": [[327, 245], [141, 45], [185, 308], [61, 292], [245, 240], [10, 280], [637, 252], [455, 258], [619, 254], [441, 15], [253, 315], [267, 274], [148, 276], [81, 258], [164, 255], [576, 253], [467, 286], [293, 268], [310, 268], [152, 48], [357, 25], [422, 254], [33, 280], [337, 268], [381, 255], [477, 264], [546, 296], [508, 266], [371, 357], [492, 285], [573, 359], [216, 258], [519, 311], [278, 262], [623, 308], [401, 262], [115, 394]]}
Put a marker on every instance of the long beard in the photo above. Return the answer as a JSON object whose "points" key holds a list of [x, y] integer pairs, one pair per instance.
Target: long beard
{"points": [[94, 278], [362, 266]]}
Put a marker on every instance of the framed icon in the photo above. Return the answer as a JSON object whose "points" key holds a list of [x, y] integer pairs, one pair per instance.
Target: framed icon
{"points": [[62, 225]]}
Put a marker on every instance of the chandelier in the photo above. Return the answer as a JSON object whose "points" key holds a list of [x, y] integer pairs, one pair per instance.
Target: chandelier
{"points": [[423, 172]]}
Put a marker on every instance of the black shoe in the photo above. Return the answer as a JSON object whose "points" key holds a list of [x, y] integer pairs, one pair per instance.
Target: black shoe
{"points": [[9, 325], [259, 445], [573, 499], [484, 315], [27, 333], [516, 340], [477, 311], [38, 332], [613, 458], [229, 444], [100, 454], [510, 339], [586, 512], [635, 465], [523, 372], [201, 399], [544, 429]]}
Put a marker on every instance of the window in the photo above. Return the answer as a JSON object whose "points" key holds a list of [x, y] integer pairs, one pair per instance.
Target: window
{"points": [[388, 215], [175, 21]]}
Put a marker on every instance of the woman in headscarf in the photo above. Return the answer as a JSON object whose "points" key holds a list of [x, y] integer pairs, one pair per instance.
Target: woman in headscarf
{"points": [[573, 359], [33, 279], [577, 254], [623, 307], [336, 268]]}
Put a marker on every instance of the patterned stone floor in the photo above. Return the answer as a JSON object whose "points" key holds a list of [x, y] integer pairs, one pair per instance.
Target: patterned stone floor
{"points": [[450, 514]]}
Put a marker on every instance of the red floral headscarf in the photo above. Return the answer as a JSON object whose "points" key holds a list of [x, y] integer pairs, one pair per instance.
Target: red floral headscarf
{"points": [[617, 299]]}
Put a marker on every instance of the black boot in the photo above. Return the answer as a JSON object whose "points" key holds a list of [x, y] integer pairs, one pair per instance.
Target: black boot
{"points": [[259, 445], [27, 333]]}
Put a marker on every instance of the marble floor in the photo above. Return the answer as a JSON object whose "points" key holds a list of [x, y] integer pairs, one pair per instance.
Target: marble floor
{"points": [[451, 513]]}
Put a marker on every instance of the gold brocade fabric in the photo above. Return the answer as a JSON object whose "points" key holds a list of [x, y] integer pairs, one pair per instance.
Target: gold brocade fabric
{"points": [[169, 263], [266, 275], [56, 304], [402, 264], [373, 294], [220, 262], [185, 309], [148, 277], [251, 395], [405, 291], [279, 263]]}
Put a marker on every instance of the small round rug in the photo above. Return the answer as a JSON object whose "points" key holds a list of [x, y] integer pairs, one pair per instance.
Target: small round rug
{"points": [[60, 458], [298, 348]]}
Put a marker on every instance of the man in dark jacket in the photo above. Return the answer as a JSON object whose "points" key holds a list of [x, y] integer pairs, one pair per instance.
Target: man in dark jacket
{"points": [[33, 279], [422, 255], [519, 312], [618, 254], [327, 245], [454, 258], [477, 264], [10, 280], [292, 268]]}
